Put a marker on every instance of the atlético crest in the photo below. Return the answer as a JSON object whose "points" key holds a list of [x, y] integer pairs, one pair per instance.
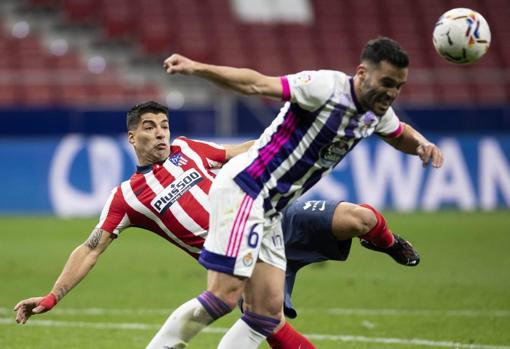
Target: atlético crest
{"points": [[178, 159]]}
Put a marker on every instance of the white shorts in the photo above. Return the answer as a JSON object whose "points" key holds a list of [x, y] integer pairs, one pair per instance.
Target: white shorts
{"points": [[239, 231]]}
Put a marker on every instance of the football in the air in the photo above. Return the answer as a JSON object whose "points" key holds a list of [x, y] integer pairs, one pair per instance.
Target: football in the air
{"points": [[461, 36]]}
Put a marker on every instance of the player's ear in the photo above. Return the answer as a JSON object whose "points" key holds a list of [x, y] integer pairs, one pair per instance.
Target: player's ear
{"points": [[131, 137], [361, 71]]}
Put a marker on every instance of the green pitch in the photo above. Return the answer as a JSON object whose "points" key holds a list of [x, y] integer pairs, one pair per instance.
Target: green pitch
{"points": [[458, 297]]}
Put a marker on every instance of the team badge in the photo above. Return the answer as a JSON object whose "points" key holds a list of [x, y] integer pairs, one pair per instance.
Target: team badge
{"points": [[248, 259], [178, 159]]}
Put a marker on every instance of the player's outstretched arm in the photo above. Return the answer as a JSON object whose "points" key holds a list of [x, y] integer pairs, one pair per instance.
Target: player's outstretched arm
{"points": [[241, 80], [78, 265], [413, 142], [236, 149]]}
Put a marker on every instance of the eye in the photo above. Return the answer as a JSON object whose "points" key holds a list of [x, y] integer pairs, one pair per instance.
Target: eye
{"points": [[388, 84]]}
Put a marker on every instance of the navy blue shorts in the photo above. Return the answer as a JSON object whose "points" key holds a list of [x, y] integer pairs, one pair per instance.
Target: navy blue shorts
{"points": [[308, 239]]}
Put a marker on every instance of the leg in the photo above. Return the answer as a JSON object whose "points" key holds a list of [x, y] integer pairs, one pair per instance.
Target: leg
{"points": [[193, 316], [267, 300], [263, 309], [350, 220], [225, 256], [367, 223]]}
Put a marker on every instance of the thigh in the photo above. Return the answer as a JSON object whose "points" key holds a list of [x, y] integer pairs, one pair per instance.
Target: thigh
{"points": [[228, 288], [272, 250], [264, 291], [308, 231]]}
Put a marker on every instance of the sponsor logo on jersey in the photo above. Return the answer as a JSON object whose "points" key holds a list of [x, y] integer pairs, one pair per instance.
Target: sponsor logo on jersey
{"points": [[176, 190], [178, 159], [332, 153]]}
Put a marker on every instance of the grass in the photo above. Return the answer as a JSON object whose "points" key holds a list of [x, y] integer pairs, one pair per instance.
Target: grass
{"points": [[458, 297]]}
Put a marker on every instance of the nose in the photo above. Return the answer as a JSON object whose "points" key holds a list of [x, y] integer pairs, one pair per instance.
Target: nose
{"points": [[160, 133]]}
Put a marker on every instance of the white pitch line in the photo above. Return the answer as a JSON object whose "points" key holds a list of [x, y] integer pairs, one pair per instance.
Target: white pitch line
{"points": [[312, 336], [330, 311], [100, 311], [418, 312]]}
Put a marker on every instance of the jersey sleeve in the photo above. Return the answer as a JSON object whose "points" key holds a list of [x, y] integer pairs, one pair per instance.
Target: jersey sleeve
{"points": [[212, 154], [114, 217], [389, 125], [309, 89]]}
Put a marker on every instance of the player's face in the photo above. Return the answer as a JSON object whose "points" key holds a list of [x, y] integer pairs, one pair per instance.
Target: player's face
{"points": [[151, 138], [380, 85]]}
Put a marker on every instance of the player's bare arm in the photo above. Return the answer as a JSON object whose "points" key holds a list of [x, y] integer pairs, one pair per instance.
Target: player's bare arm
{"points": [[241, 80], [232, 150], [413, 142], [78, 265]]}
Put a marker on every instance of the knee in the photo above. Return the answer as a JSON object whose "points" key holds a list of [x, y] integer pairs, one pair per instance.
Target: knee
{"points": [[271, 307], [364, 220], [230, 296]]}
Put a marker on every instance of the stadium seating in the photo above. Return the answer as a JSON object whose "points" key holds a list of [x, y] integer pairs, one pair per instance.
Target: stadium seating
{"points": [[209, 30]]}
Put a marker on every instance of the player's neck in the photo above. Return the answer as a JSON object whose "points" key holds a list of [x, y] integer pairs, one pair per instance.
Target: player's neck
{"points": [[357, 92]]}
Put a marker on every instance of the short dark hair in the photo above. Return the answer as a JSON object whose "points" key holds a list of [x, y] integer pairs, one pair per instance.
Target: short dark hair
{"points": [[135, 113], [385, 49]]}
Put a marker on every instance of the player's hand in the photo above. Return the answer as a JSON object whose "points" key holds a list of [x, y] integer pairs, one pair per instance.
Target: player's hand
{"points": [[177, 64], [430, 153], [31, 306]]}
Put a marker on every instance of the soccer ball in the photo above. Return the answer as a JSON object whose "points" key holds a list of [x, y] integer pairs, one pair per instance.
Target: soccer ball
{"points": [[461, 36]]}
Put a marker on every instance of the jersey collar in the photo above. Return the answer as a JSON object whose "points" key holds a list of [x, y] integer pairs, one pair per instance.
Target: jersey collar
{"points": [[147, 168]]}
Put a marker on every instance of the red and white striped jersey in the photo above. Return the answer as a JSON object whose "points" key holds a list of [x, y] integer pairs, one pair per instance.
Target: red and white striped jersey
{"points": [[168, 198]]}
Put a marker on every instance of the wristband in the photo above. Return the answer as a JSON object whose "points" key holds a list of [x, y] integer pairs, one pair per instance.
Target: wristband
{"points": [[49, 301]]}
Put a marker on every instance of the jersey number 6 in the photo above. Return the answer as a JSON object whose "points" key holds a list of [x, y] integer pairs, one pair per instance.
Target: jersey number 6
{"points": [[253, 237]]}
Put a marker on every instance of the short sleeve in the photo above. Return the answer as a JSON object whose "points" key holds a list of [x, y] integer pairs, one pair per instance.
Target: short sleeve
{"points": [[309, 89], [114, 217], [389, 125], [214, 155]]}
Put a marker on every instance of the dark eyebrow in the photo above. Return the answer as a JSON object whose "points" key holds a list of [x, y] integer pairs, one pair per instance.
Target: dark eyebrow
{"points": [[387, 78], [391, 80], [148, 122]]}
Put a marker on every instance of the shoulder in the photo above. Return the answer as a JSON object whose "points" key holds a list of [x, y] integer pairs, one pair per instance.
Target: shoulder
{"points": [[312, 88], [181, 140], [194, 143], [314, 78], [389, 124]]}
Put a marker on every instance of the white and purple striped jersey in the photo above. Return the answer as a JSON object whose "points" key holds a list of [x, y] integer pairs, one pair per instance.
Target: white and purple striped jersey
{"points": [[320, 123], [170, 198]]}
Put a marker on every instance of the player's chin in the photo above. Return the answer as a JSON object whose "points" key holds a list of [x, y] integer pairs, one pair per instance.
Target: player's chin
{"points": [[161, 154], [380, 109]]}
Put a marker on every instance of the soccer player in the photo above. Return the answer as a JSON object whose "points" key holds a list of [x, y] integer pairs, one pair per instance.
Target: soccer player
{"points": [[327, 113], [168, 195]]}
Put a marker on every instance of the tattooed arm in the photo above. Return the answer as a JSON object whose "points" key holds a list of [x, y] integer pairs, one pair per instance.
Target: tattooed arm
{"points": [[78, 265]]}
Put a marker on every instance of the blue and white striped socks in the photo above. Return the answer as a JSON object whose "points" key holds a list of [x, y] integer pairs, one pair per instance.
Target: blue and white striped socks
{"points": [[249, 331], [188, 320]]}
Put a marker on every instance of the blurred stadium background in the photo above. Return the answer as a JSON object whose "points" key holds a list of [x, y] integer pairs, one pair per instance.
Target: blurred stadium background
{"points": [[70, 69]]}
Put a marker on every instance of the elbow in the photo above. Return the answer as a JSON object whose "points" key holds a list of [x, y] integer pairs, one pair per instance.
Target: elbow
{"points": [[251, 90]]}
